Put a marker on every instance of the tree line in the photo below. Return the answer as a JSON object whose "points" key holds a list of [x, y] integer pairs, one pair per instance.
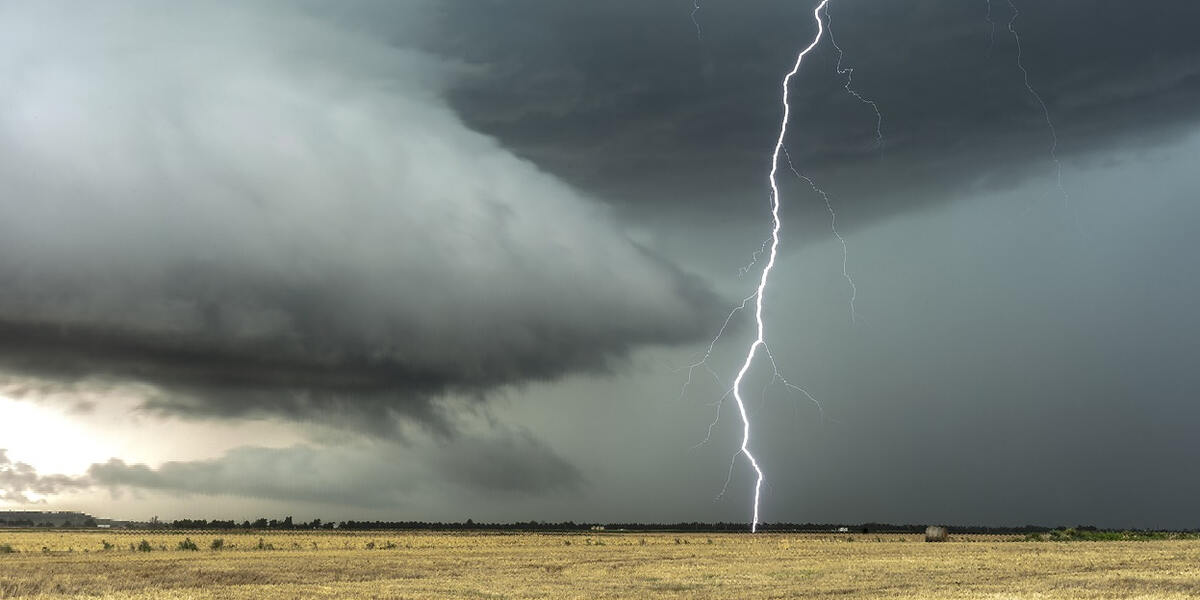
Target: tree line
{"points": [[288, 523], [88, 523]]}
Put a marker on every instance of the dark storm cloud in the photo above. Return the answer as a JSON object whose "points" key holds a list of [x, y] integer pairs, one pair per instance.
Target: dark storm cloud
{"points": [[18, 480], [622, 98], [369, 475], [264, 212]]}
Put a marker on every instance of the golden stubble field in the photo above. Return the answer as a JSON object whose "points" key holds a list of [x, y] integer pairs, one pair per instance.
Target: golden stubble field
{"points": [[607, 565]]}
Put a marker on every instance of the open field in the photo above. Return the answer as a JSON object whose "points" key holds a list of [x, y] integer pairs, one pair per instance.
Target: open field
{"points": [[608, 565]]}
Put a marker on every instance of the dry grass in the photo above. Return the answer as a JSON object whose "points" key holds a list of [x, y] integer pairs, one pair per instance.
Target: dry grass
{"points": [[611, 565]]}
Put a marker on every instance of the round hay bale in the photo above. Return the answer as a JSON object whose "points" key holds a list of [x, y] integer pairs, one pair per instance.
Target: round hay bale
{"points": [[936, 533]]}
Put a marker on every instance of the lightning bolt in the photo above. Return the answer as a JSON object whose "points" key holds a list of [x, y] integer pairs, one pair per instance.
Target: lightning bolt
{"points": [[696, 9], [719, 404], [848, 73], [1038, 97], [992, 24], [703, 362], [776, 224], [754, 258], [771, 246], [836, 233]]}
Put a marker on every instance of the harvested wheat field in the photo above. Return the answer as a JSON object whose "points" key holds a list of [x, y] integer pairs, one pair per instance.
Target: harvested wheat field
{"points": [[610, 565]]}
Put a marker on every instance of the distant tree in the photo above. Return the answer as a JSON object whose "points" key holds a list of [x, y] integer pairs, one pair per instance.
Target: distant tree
{"points": [[90, 522], [260, 524], [287, 523]]}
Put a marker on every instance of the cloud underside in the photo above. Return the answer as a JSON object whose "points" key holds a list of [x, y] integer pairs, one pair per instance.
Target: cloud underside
{"points": [[289, 222], [366, 475], [632, 111], [18, 480]]}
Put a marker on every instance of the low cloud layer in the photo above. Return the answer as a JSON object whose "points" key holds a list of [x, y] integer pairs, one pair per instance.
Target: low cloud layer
{"points": [[261, 213], [364, 474], [18, 480]]}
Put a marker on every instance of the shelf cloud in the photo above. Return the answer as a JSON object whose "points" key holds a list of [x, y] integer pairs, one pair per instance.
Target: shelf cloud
{"points": [[260, 212]]}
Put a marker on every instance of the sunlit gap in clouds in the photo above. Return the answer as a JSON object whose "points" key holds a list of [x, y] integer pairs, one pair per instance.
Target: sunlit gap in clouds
{"points": [[50, 438], [62, 438]]}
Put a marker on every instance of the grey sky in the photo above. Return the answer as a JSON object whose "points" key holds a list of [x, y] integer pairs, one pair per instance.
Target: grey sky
{"points": [[462, 248]]}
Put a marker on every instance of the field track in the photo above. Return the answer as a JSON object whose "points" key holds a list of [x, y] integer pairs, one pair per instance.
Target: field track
{"points": [[318, 565]]}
